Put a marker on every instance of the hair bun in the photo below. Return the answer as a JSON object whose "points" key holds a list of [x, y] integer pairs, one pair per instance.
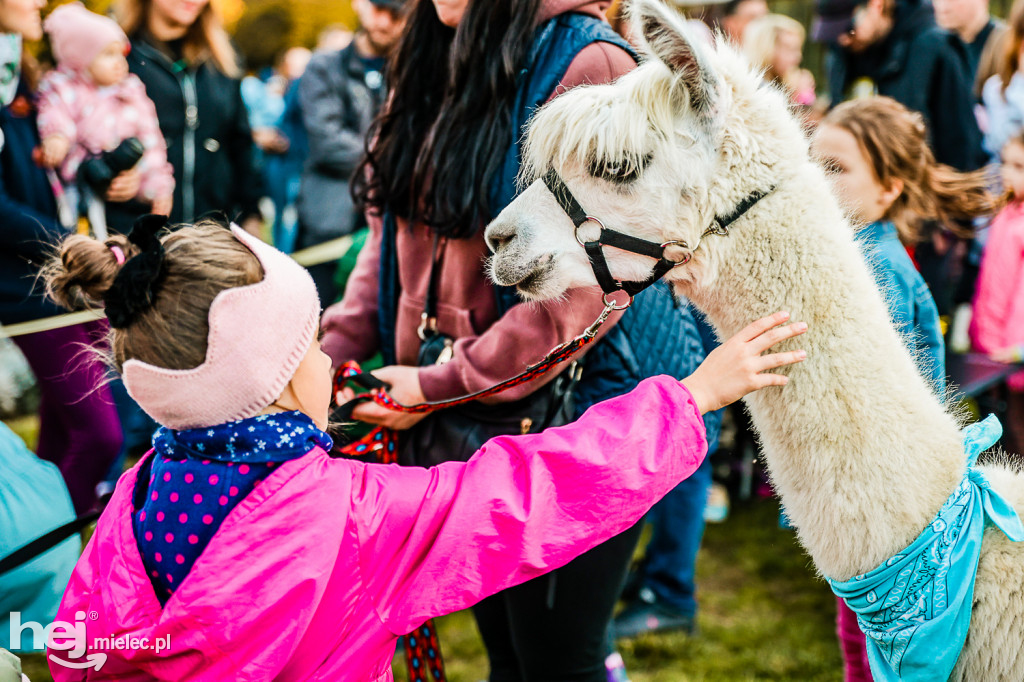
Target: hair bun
{"points": [[83, 270]]}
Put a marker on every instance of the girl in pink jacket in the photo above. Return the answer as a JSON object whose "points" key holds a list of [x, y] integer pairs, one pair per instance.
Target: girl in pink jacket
{"points": [[239, 550], [90, 104], [997, 322]]}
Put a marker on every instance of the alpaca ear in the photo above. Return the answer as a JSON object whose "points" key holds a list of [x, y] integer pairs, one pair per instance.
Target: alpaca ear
{"points": [[667, 39]]}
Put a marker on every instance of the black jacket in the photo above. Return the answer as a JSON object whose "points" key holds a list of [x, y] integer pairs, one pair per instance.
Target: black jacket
{"points": [[28, 217], [922, 67], [206, 127]]}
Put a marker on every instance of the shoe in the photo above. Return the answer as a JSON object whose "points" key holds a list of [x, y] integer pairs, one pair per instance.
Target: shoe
{"points": [[645, 615]]}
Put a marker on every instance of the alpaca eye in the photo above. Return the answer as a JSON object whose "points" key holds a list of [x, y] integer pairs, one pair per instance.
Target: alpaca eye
{"points": [[622, 170]]}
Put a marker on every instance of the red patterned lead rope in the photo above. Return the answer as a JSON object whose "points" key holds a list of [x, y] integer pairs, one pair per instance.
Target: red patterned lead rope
{"points": [[555, 356]]}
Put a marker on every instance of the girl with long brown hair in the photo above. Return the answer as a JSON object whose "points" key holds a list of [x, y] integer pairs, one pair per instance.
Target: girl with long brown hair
{"points": [[884, 170]]}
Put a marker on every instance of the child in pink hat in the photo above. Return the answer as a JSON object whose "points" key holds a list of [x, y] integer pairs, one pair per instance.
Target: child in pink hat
{"points": [[90, 104], [238, 549]]}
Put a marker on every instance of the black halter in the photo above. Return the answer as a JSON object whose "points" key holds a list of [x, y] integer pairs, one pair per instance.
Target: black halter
{"points": [[619, 240]]}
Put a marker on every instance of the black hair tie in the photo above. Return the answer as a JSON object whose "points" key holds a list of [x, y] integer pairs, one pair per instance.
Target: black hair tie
{"points": [[135, 286]]}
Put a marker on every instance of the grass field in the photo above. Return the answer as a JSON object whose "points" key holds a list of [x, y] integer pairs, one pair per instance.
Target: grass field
{"points": [[763, 616]]}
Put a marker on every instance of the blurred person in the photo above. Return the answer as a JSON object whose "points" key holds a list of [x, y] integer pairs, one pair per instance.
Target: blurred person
{"points": [[266, 99], [894, 48], [339, 95], [33, 501], [980, 34], [78, 425], [190, 70], [997, 325], [877, 151], [94, 117], [737, 15], [333, 38], [775, 43], [1003, 93]]}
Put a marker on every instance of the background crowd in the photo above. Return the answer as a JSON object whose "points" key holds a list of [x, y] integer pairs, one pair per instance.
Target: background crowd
{"points": [[402, 137]]}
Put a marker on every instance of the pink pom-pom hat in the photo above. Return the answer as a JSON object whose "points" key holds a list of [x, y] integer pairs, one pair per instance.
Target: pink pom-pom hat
{"points": [[78, 35], [259, 334]]}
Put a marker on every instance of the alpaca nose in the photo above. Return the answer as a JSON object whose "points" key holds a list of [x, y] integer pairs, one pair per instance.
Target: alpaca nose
{"points": [[498, 234]]}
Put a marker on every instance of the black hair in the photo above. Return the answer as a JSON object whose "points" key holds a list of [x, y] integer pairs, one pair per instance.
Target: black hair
{"points": [[433, 151]]}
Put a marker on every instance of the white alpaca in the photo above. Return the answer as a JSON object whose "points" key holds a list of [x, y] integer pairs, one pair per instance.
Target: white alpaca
{"points": [[859, 447]]}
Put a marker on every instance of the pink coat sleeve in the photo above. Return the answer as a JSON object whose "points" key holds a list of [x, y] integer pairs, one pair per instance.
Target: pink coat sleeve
{"points": [[350, 326], [56, 118], [52, 100], [157, 175], [434, 541]]}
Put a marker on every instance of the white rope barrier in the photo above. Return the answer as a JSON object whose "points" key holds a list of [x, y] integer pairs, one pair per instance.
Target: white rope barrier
{"points": [[314, 255]]}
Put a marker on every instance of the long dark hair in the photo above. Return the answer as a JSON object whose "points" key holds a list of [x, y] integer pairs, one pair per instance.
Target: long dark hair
{"points": [[433, 151]]}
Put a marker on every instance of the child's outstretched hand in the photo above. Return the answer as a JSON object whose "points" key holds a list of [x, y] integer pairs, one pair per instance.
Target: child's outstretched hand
{"points": [[737, 367], [55, 148]]}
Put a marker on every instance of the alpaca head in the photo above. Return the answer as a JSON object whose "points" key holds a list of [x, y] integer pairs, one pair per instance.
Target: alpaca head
{"points": [[657, 154]]}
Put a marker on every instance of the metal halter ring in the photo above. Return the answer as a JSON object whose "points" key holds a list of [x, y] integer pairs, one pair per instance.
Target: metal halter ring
{"points": [[617, 306], [681, 244], [576, 232]]}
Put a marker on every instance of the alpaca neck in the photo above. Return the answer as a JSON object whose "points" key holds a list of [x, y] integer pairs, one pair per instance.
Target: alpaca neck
{"points": [[861, 451]]}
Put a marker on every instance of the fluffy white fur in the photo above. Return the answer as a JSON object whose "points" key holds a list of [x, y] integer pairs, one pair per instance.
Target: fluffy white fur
{"points": [[859, 447]]}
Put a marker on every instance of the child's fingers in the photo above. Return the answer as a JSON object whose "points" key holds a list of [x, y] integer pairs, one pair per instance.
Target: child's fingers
{"points": [[758, 327], [770, 337], [771, 380], [775, 360]]}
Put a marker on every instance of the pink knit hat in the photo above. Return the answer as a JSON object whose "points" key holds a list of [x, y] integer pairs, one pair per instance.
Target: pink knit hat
{"points": [[259, 334], [78, 35]]}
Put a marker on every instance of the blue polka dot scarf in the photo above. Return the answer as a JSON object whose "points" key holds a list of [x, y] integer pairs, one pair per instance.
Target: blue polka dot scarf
{"points": [[916, 607], [198, 476]]}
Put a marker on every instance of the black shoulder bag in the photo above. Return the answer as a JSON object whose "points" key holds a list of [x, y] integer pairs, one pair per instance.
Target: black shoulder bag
{"points": [[455, 433]]}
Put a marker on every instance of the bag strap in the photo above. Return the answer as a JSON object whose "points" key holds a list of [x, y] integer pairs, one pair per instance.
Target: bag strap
{"points": [[428, 320], [45, 542], [555, 356]]}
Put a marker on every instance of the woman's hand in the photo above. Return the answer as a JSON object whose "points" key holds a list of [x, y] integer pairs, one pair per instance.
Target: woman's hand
{"points": [[124, 186], [405, 389], [737, 367]]}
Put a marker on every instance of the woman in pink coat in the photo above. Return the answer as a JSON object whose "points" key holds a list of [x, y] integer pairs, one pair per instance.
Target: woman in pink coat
{"points": [[239, 550]]}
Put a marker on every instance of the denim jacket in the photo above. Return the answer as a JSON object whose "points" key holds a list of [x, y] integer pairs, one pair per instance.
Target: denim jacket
{"points": [[911, 305]]}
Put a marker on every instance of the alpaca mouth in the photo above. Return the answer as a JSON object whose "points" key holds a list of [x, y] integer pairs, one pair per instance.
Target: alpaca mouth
{"points": [[533, 282], [529, 279]]}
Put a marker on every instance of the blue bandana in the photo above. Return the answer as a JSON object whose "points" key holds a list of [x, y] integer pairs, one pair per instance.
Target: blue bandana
{"points": [[916, 608]]}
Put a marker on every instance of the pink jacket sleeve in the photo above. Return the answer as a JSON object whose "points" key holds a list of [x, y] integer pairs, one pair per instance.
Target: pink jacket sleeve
{"points": [[350, 326], [55, 117], [156, 173], [434, 541]]}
